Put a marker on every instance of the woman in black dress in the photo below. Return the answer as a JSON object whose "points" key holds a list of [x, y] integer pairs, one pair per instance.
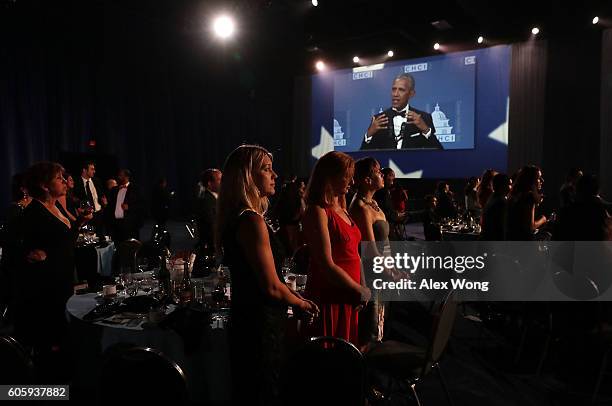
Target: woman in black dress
{"points": [[521, 221], [46, 279], [259, 295]]}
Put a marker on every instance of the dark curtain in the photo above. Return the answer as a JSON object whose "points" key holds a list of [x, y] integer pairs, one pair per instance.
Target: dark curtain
{"points": [[527, 104], [156, 99], [605, 151], [301, 144]]}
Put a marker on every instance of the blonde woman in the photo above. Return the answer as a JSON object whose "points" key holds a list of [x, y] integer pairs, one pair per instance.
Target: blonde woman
{"points": [[333, 237], [259, 296]]}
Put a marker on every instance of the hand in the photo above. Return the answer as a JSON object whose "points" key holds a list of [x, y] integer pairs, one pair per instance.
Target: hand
{"points": [[124, 206], [415, 118], [104, 201], [309, 311], [36, 256], [378, 123], [366, 295]]}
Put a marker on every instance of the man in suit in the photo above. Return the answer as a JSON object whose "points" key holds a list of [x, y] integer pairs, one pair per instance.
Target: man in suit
{"points": [[206, 209], [88, 188], [125, 211], [402, 126]]}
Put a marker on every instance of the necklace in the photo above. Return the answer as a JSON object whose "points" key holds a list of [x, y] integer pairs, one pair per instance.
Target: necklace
{"points": [[372, 203]]}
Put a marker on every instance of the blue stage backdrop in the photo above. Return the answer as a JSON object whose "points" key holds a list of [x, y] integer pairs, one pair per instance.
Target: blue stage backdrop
{"points": [[467, 94]]}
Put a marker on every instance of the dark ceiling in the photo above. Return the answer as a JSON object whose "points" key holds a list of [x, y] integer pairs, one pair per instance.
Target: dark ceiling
{"points": [[291, 34]]}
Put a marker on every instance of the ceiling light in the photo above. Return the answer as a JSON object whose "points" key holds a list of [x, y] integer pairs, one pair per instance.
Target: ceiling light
{"points": [[223, 26], [436, 46], [535, 30]]}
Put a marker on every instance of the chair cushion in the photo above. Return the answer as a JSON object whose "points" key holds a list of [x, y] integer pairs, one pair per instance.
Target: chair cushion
{"points": [[398, 359]]}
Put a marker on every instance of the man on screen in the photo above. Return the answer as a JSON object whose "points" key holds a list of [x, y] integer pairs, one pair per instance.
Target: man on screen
{"points": [[402, 126]]}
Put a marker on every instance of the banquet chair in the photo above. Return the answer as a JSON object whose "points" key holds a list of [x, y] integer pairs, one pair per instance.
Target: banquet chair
{"points": [[412, 363], [126, 253], [325, 370], [16, 366], [131, 373]]}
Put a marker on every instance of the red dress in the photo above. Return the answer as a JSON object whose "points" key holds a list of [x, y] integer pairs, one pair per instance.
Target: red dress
{"points": [[338, 317]]}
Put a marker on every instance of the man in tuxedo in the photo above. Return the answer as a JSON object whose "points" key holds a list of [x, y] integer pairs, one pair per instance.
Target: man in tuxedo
{"points": [[125, 211], [206, 209], [402, 126], [88, 188]]}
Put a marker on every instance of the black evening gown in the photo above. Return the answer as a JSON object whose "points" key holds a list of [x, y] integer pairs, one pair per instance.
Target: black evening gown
{"points": [[257, 325]]}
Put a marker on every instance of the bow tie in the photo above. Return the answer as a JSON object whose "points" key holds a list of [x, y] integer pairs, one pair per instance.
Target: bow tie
{"points": [[398, 113]]}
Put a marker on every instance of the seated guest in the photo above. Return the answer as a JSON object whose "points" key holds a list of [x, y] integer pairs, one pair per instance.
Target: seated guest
{"points": [[431, 229], [586, 219], [521, 222], [259, 295], [446, 208], [288, 211], [335, 282], [125, 211], [47, 275], [567, 194], [494, 213]]}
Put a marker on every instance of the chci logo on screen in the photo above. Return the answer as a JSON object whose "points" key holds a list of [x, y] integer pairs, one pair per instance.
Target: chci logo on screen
{"points": [[417, 67]]}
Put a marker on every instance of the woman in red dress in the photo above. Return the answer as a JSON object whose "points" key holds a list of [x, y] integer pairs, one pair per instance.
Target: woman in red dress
{"points": [[335, 281]]}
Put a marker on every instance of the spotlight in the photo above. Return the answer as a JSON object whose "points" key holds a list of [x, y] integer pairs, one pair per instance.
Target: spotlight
{"points": [[390, 54], [436, 46], [223, 27], [595, 20], [535, 30], [480, 40], [355, 59], [315, 3], [320, 65]]}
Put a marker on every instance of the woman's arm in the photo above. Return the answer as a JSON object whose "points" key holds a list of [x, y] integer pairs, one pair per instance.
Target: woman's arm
{"points": [[317, 238], [255, 242]]}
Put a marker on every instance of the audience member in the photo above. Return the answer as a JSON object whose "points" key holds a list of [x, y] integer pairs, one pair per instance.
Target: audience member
{"points": [[206, 207], [431, 228], [288, 212], [259, 294], [472, 206], [161, 198], [125, 211], [567, 193], [494, 213], [374, 230], [333, 237], [45, 280], [521, 223], [446, 207]]}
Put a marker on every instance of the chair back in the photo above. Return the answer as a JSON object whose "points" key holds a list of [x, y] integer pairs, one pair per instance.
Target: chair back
{"points": [[126, 253], [444, 320], [16, 366], [131, 373], [325, 370]]}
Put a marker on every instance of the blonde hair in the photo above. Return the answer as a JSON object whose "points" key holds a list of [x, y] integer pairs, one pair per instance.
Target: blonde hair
{"points": [[330, 168], [238, 190]]}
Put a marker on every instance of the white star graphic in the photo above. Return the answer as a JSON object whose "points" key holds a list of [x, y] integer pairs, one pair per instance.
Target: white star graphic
{"points": [[500, 134], [326, 144], [399, 174]]}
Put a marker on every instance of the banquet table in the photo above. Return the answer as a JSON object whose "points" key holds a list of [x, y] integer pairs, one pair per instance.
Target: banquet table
{"points": [[205, 362], [94, 260]]}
